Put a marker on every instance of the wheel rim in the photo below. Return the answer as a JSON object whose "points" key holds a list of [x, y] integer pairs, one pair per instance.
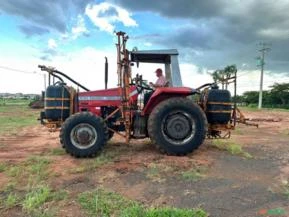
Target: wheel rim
{"points": [[83, 136], [178, 127]]}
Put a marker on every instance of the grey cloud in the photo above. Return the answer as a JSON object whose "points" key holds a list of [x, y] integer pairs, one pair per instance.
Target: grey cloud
{"points": [[110, 12], [223, 32], [48, 54], [45, 58], [30, 30], [86, 34], [50, 51], [177, 8], [195, 37], [146, 36], [51, 14]]}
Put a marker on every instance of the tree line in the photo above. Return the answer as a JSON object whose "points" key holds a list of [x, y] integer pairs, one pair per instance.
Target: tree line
{"points": [[276, 97]]}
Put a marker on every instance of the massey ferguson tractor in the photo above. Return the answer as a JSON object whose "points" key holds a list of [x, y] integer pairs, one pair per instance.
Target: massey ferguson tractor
{"points": [[177, 119]]}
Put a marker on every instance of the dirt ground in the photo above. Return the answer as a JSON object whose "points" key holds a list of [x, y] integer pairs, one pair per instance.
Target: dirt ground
{"points": [[229, 185]]}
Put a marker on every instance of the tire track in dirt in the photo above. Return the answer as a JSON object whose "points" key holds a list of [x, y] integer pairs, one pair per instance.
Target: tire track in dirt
{"points": [[30, 141]]}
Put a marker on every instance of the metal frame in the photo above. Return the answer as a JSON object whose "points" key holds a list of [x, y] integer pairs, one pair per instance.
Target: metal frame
{"points": [[168, 57], [124, 80], [216, 130]]}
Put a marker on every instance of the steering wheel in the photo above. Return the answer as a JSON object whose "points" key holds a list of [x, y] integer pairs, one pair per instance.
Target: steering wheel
{"points": [[145, 86], [140, 84]]}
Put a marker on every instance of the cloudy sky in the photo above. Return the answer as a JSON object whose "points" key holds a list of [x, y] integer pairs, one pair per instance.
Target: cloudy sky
{"points": [[75, 35]]}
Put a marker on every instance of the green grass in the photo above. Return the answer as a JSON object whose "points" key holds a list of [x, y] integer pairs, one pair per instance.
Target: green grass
{"points": [[194, 174], [101, 202], [3, 167], [232, 147], [36, 197], [57, 151], [30, 177], [14, 116], [162, 212], [10, 187], [281, 189], [37, 168], [105, 157], [14, 171], [37, 200], [285, 189], [28, 180], [31, 171], [11, 201], [155, 172], [7, 102]]}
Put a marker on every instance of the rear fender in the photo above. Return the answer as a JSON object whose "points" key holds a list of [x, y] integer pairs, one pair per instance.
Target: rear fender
{"points": [[163, 93]]}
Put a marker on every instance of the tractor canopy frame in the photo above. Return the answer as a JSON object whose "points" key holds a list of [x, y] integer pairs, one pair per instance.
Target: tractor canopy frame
{"points": [[168, 57]]}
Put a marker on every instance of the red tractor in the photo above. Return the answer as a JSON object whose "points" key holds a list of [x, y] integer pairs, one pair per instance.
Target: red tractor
{"points": [[174, 122]]}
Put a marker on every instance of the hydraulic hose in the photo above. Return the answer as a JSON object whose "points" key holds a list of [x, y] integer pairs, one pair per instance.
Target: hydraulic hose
{"points": [[58, 77], [51, 71], [70, 79]]}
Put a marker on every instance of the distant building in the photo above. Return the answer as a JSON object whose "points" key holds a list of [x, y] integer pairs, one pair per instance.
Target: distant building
{"points": [[19, 96]]}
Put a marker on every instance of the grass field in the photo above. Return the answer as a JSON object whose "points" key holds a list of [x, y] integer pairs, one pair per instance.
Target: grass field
{"points": [[39, 179], [15, 114], [28, 188]]}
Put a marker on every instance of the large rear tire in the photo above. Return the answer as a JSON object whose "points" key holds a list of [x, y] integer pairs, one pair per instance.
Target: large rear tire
{"points": [[83, 134], [177, 126]]}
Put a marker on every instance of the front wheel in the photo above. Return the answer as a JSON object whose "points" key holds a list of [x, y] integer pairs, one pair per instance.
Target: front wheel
{"points": [[83, 134], [177, 126]]}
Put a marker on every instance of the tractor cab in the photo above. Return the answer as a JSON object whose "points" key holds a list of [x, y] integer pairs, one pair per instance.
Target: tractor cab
{"points": [[167, 57]]}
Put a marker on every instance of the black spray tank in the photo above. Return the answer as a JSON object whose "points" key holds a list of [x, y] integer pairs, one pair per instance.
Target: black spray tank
{"points": [[219, 106], [57, 102]]}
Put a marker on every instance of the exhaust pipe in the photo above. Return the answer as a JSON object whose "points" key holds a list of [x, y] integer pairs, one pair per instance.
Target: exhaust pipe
{"points": [[105, 73]]}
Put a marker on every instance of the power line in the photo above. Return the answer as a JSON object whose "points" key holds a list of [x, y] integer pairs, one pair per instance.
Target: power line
{"points": [[26, 72], [246, 73], [19, 70]]}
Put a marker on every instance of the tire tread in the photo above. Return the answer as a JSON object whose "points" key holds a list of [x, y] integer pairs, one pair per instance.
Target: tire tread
{"points": [[69, 121], [166, 105]]}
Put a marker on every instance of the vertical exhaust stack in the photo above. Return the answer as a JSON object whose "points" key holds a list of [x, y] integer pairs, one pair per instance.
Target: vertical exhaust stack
{"points": [[105, 73]]}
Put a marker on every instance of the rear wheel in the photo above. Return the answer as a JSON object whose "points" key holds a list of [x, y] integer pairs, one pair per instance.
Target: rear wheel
{"points": [[177, 126], [83, 134]]}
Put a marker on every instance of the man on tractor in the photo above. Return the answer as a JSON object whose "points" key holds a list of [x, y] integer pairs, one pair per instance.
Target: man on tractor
{"points": [[161, 81]]}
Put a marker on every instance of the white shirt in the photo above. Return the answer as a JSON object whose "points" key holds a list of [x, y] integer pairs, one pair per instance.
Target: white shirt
{"points": [[161, 81]]}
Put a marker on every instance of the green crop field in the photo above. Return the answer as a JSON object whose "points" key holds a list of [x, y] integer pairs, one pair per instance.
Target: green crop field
{"points": [[15, 114]]}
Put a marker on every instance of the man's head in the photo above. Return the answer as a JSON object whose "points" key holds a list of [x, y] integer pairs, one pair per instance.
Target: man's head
{"points": [[159, 72]]}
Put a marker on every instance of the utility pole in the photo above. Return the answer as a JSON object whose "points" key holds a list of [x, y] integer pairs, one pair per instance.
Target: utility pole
{"points": [[264, 48]]}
